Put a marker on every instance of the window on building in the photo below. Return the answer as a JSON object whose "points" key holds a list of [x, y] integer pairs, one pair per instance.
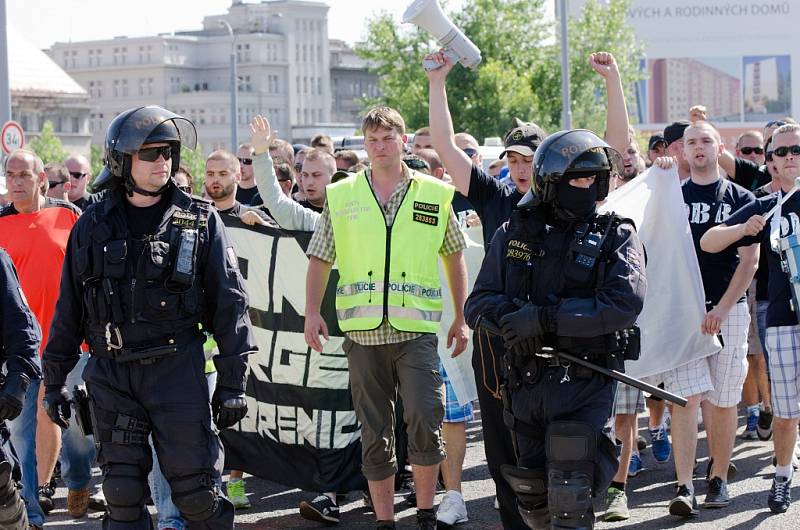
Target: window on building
{"points": [[305, 85], [124, 88], [66, 58], [297, 121], [99, 86], [297, 83], [319, 53], [76, 125], [305, 53], [123, 54], [297, 52], [116, 88], [150, 82]]}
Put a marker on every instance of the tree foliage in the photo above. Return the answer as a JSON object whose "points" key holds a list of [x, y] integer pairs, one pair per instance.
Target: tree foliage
{"points": [[195, 162], [520, 74], [48, 146]]}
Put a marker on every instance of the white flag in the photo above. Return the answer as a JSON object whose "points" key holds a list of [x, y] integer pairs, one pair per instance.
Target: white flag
{"points": [[674, 305]]}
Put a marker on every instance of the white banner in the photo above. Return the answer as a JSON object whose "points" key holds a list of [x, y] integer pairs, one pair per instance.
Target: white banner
{"points": [[674, 306]]}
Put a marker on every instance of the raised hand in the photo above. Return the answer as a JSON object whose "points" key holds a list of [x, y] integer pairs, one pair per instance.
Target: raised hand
{"points": [[261, 134], [604, 64]]}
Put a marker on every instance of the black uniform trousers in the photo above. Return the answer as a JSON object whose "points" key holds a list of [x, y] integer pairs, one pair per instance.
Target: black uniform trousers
{"points": [[487, 358], [13, 514], [588, 401], [171, 395]]}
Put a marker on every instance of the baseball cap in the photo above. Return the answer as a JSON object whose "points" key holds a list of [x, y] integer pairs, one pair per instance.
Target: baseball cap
{"points": [[674, 131], [523, 138], [655, 140]]}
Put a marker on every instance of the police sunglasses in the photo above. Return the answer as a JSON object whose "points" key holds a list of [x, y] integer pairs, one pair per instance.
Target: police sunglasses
{"points": [[186, 189], [151, 154], [751, 150], [470, 152], [246, 161], [775, 123], [77, 174], [56, 183], [785, 150], [768, 156]]}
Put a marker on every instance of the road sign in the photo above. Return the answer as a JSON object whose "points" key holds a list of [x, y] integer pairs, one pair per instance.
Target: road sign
{"points": [[11, 136]]}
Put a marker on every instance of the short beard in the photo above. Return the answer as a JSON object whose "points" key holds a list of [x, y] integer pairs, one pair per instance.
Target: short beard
{"points": [[226, 192]]}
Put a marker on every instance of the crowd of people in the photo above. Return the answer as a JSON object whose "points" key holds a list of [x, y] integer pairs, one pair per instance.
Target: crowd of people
{"points": [[78, 257]]}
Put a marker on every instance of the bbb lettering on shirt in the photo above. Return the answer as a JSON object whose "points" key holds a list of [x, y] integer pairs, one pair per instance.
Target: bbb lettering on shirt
{"points": [[790, 224], [700, 213]]}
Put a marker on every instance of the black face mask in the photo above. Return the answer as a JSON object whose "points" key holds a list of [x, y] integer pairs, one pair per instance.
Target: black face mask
{"points": [[575, 203]]}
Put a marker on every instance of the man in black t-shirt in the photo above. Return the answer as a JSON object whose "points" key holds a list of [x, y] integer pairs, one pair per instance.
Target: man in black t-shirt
{"points": [[710, 199], [749, 172], [223, 173], [748, 226], [247, 192]]}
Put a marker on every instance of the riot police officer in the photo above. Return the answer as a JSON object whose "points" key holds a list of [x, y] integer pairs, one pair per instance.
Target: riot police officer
{"points": [[559, 277], [144, 269], [20, 337]]}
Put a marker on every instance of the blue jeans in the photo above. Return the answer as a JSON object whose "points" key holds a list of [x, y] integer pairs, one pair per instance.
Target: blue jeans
{"points": [[23, 438], [168, 514], [77, 450]]}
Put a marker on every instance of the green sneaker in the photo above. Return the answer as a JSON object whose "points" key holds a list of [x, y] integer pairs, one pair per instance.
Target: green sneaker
{"points": [[616, 506], [237, 495]]}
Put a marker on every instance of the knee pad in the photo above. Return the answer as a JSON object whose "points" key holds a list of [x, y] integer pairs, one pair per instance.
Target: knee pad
{"points": [[196, 496], [571, 448], [13, 514], [530, 487], [125, 488]]}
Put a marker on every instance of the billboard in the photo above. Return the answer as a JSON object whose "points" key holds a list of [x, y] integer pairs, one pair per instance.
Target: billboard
{"points": [[734, 57]]}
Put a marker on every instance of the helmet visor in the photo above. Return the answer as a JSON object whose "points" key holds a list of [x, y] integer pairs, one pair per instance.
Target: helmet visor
{"points": [[141, 124]]}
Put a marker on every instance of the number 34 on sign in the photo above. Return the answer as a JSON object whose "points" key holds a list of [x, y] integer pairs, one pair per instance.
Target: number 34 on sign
{"points": [[11, 136]]}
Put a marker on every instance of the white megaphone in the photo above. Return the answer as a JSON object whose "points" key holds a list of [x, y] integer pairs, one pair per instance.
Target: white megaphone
{"points": [[428, 15]]}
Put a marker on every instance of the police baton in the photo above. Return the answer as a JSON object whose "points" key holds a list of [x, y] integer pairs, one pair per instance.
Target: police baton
{"points": [[492, 328]]}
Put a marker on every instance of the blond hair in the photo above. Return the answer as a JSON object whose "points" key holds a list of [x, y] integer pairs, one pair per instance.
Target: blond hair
{"points": [[383, 118]]}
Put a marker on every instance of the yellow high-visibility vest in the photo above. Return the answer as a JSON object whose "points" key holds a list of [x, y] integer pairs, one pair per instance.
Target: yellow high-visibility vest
{"points": [[389, 271]]}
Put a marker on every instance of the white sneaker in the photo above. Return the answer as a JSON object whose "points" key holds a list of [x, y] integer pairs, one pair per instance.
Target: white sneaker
{"points": [[452, 509]]}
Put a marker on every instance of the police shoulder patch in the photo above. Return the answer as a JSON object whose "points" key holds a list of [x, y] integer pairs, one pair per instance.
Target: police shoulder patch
{"points": [[426, 207]]}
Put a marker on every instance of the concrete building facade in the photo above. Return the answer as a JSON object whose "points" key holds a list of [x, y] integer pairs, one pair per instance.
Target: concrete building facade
{"points": [[284, 71], [42, 92]]}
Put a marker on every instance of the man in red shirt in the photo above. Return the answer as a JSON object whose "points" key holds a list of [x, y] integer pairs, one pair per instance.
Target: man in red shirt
{"points": [[34, 230]]}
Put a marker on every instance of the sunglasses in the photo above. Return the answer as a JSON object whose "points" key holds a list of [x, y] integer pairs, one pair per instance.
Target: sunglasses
{"points": [[151, 154], [285, 180], [186, 189], [470, 152], [56, 183], [785, 150], [751, 150], [776, 123], [77, 175], [768, 156], [298, 167], [246, 161]]}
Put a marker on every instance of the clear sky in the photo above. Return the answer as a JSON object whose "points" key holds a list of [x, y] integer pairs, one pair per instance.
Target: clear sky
{"points": [[44, 22]]}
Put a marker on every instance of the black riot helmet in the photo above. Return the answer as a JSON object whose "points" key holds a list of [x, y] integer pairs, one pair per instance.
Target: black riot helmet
{"points": [[133, 128], [573, 154]]}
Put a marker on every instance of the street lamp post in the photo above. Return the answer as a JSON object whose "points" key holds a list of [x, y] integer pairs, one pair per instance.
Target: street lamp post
{"points": [[5, 82], [566, 112], [234, 89]]}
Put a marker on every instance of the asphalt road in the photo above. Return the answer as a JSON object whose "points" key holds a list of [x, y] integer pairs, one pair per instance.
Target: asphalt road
{"points": [[649, 494]]}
